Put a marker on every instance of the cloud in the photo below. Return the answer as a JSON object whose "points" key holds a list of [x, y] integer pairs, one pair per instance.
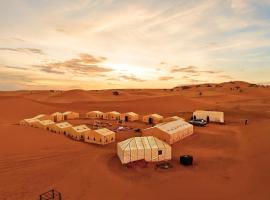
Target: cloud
{"points": [[192, 70], [131, 78], [23, 50], [85, 64], [165, 78], [14, 67]]}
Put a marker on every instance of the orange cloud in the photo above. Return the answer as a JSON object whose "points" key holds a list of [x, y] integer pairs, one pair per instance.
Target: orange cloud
{"points": [[165, 78]]}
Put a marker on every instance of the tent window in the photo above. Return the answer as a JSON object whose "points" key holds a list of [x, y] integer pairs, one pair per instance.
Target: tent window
{"points": [[100, 140], [159, 152], [94, 139]]}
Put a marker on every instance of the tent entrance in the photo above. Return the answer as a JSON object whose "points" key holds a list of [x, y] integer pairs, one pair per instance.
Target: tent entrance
{"points": [[207, 119], [150, 120], [65, 117], [126, 118], [55, 118], [194, 117]]}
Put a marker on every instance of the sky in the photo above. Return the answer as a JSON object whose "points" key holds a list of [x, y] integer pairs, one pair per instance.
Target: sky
{"points": [[107, 44]]}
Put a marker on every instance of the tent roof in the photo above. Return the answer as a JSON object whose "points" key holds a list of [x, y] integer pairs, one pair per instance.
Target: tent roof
{"points": [[131, 113], [173, 126], [155, 115], [31, 120], [114, 112], [63, 125], [57, 113], [96, 111], [81, 128], [46, 122], [209, 111], [147, 142], [39, 116], [104, 131]]}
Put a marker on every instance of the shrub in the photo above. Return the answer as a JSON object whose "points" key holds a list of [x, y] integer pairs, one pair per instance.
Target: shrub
{"points": [[186, 87], [115, 93]]}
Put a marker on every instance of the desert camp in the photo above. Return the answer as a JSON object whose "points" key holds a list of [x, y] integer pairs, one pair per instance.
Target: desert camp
{"points": [[170, 132], [147, 148]]}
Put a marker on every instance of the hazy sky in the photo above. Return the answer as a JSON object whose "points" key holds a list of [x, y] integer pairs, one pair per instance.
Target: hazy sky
{"points": [[97, 44]]}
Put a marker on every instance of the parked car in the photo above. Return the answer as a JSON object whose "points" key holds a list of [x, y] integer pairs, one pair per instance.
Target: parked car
{"points": [[198, 122]]}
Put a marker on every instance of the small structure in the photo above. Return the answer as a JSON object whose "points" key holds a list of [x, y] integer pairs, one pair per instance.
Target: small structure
{"points": [[209, 116], [57, 117], [186, 160], [78, 132], [113, 115], [29, 122], [62, 127], [70, 115], [45, 124], [170, 132], [153, 119], [129, 116], [100, 136], [173, 118], [149, 148], [94, 114]]}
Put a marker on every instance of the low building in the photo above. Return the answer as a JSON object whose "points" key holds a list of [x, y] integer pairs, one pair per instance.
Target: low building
{"points": [[45, 124], [113, 115], [29, 122], [153, 119], [100, 136], [129, 116], [173, 118], [70, 115], [57, 117], [78, 132], [94, 114], [170, 132], [61, 127], [209, 116], [149, 148]]}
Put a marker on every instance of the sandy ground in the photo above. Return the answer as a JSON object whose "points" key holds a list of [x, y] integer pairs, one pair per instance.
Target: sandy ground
{"points": [[232, 161]]}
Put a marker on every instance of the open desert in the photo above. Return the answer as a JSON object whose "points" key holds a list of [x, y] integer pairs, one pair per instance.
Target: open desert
{"points": [[231, 161]]}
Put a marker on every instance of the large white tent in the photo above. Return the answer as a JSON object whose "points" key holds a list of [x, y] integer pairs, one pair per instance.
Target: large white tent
{"points": [[149, 148]]}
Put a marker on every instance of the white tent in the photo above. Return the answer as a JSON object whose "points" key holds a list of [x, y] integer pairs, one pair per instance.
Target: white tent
{"points": [[209, 116], [148, 148]]}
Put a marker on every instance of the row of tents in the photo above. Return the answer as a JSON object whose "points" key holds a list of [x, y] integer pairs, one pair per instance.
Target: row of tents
{"points": [[101, 136]]}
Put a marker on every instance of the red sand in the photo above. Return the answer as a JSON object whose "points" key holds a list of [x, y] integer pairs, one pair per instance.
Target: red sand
{"points": [[232, 161]]}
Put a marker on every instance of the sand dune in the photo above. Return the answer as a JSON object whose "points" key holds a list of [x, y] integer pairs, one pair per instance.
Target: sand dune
{"points": [[232, 161]]}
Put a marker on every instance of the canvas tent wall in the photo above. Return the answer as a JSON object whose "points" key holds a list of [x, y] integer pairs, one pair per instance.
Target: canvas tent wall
{"points": [[70, 115], [153, 119], [94, 114], [113, 115], [170, 132], [61, 127], [173, 118], [78, 132], [45, 124], [57, 117], [129, 116], [209, 116], [100, 136], [149, 148]]}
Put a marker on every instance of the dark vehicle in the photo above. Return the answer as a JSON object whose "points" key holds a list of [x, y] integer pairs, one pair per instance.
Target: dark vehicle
{"points": [[198, 122], [186, 160]]}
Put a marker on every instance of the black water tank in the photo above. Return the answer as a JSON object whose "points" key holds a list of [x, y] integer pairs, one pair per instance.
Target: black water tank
{"points": [[186, 160]]}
